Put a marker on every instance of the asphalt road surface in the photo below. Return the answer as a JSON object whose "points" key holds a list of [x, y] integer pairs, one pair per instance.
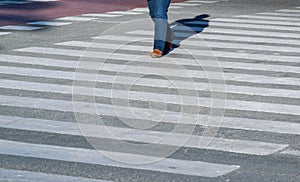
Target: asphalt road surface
{"points": [[81, 99]]}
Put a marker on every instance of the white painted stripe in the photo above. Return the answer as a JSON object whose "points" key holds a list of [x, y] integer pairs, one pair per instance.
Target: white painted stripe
{"points": [[140, 10], [169, 116], [256, 21], [147, 82], [8, 119], [278, 18], [232, 54], [289, 10], [5, 33], [256, 26], [38, 61], [279, 14], [101, 15], [97, 54], [243, 46], [178, 51], [155, 97], [145, 136], [196, 1], [174, 72], [197, 74], [124, 13], [191, 2], [128, 80], [217, 37], [252, 33], [19, 27], [175, 7], [235, 25], [187, 28], [48, 23], [291, 152], [195, 168], [186, 4], [76, 18], [209, 37], [188, 100], [246, 46], [15, 176], [216, 44], [233, 31]]}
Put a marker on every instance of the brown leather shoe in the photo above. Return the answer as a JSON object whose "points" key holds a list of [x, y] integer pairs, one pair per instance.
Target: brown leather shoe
{"points": [[168, 43], [168, 46], [156, 53]]}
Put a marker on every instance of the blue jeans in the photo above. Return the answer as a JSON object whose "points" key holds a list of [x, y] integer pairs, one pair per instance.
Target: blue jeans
{"points": [[158, 11]]}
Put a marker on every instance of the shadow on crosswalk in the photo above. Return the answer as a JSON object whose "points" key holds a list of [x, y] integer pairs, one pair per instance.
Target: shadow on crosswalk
{"points": [[185, 28]]}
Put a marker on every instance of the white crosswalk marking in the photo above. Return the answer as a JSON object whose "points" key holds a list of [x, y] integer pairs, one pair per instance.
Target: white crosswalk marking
{"points": [[233, 31], [233, 54], [291, 152], [228, 122], [242, 25], [5, 33], [48, 23], [208, 2], [190, 62], [95, 54], [296, 20], [272, 41], [102, 15], [19, 27], [124, 13], [204, 102], [259, 56], [76, 18], [228, 76], [186, 4], [229, 145], [280, 14], [150, 82], [98, 157], [175, 7], [227, 45], [266, 22], [289, 10], [14, 175], [252, 32], [140, 10]]}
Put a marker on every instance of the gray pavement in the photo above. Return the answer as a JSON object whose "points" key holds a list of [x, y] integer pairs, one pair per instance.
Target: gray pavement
{"points": [[223, 106]]}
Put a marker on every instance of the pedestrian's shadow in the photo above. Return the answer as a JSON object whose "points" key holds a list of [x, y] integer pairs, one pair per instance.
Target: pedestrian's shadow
{"points": [[186, 28]]}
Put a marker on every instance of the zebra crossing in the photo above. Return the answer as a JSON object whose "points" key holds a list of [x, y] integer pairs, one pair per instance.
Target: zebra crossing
{"points": [[260, 62], [14, 175]]}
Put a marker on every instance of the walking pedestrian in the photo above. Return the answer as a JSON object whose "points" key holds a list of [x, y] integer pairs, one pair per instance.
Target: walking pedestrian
{"points": [[158, 11]]}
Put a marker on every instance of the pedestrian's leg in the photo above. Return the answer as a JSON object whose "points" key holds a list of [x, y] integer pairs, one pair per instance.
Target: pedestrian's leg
{"points": [[151, 7], [161, 23], [169, 40], [158, 12]]}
